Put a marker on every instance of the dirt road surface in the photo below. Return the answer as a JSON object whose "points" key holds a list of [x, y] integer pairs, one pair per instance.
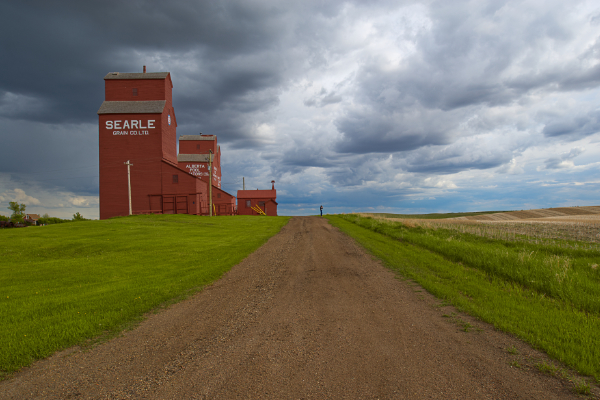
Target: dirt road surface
{"points": [[309, 315]]}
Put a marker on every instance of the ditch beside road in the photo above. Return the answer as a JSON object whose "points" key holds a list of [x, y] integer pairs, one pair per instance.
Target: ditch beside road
{"points": [[308, 315]]}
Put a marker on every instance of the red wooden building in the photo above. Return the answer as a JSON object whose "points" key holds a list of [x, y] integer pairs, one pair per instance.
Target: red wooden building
{"points": [[194, 151], [138, 124], [264, 199], [32, 218], [192, 146]]}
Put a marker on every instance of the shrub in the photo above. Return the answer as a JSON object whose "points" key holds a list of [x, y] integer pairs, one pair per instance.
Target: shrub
{"points": [[52, 220]]}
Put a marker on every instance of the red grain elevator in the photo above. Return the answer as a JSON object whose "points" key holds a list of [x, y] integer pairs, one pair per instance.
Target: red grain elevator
{"points": [[137, 123], [194, 152]]}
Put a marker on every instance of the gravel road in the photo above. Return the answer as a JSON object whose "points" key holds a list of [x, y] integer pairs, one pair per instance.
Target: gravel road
{"points": [[309, 315]]}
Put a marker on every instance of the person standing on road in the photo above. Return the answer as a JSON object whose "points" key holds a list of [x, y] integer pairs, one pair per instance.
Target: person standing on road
{"points": [[321, 210]]}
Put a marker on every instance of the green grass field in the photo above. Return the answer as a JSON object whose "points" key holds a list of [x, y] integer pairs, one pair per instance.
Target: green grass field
{"points": [[63, 284], [547, 295]]}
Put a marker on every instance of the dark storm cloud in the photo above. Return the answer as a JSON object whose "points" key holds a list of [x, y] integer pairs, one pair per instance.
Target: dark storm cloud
{"points": [[579, 126], [374, 131], [564, 160], [55, 156], [453, 160], [371, 89], [323, 98], [58, 55], [355, 170], [225, 66], [306, 156], [348, 176], [476, 55]]}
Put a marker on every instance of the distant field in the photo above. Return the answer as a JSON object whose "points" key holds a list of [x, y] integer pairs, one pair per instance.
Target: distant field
{"points": [[541, 213], [63, 284], [533, 283], [579, 226], [431, 216], [570, 213]]}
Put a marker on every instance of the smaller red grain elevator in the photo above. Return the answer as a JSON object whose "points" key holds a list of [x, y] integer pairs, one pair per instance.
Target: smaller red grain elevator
{"points": [[194, 151], [264, 199], [137, 123]]}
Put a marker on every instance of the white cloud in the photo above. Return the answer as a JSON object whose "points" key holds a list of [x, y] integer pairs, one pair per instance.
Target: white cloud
{"points": [[19, 196], [511, 168], [39, 200]]}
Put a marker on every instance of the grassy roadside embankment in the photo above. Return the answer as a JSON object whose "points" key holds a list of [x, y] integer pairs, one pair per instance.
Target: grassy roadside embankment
{"points": [[548, 296], [63, 284]]}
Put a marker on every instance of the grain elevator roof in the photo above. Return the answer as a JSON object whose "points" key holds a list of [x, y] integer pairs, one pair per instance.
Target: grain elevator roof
{"points": [[132, 107], [136, 75]]}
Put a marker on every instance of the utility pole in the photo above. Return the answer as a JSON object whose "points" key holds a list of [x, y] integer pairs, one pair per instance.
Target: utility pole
{"points": [[129, 183], [243, 183], [210, 210]]}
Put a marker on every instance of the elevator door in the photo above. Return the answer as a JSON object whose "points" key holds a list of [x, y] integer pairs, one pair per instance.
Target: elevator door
{"points": [[169, 205], [182, 205]]}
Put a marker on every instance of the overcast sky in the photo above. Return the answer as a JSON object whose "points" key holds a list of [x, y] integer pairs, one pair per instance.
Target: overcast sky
{"points": [[383, 106]]}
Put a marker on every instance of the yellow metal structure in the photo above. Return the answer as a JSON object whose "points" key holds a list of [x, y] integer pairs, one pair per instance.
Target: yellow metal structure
{"points": [[258, 210]]}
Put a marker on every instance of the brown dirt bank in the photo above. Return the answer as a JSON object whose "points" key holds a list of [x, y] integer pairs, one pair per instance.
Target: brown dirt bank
{"points": [[309, 315]]}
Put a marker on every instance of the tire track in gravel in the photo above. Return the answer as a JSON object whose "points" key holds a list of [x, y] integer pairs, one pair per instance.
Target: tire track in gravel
{"points": [[309, 315]]}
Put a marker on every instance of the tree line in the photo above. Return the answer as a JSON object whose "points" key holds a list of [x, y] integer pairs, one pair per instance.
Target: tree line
{"points": [[18, 216]]}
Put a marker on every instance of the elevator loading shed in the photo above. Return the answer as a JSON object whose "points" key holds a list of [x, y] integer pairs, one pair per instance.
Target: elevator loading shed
{"points": [[248, 200], [137, 123]]}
